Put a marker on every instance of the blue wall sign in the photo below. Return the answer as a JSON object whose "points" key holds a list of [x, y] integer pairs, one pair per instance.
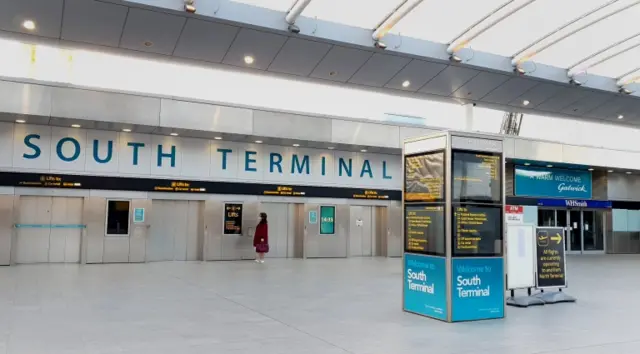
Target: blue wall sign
{"points": [[552, 182], [313, 217], [573, 203], [425, 291], [138, 215], [477, 289]]}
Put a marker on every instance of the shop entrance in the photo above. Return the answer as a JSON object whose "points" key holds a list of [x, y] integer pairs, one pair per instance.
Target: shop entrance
{"points": [[584, 228]]}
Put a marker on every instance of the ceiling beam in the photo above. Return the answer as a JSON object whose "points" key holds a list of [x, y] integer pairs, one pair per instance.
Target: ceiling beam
{"points": [[575, 68], [295, 11], [394, 17]]}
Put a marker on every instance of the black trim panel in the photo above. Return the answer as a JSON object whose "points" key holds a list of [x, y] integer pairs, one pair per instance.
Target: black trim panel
{"points": [[50, 180]]}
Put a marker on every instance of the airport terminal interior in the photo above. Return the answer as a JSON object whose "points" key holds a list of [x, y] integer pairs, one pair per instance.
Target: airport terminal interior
{"points": [[447, 176]]}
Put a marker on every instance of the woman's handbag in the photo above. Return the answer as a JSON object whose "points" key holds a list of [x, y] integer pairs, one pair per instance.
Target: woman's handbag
{"points": [[262, 247]]}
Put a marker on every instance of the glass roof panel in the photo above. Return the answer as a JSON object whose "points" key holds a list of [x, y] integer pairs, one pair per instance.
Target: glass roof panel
{"points": [[279, 5], [358, 13], [532, 22], [619, 65], [442, 20], [592, 39]]}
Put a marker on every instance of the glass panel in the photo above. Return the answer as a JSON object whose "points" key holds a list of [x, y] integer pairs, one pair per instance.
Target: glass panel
{"points": [[592, 225], [359, 13], [531, 23], [442, 21], [562, 222], [592, 39], [118, 217], [546, 217], [279, 5], [575, 231]]}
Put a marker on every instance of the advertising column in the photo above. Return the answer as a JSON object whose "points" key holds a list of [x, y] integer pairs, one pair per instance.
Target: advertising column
{"points": [[477, 268], [425, 291]]}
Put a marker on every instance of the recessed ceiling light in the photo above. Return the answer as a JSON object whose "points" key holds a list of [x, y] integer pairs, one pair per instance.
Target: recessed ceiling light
{"points": [[549, 166], [628, 172], [620, 116], [75, 125], [363, 150], [527, 164], [591, 169], [296, 145], [330, 148], [248, 59], [406, 83], [610, 171], [173, 134], [126, 130], [29, 25], [258, 141], [148, 44], [20, 121], [218, 138], [526, 102]]}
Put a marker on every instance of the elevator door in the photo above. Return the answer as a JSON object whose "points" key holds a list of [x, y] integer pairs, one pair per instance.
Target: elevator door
{"points": [[278, 219], [49, 230], [361, 231], [174, 235]]}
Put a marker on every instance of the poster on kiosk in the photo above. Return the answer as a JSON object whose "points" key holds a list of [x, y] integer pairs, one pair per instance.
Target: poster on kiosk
{"points": [[453, 203]]}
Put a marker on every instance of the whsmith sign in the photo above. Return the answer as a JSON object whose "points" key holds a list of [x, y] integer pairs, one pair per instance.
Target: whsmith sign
{"points": [[51, 149], [552, 182]]}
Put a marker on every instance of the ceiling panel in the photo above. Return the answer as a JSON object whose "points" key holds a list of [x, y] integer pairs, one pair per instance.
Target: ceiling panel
{"points": [[536, 95], [144, 27], [46, 14], [299, 57], [341, 63], [449, 80], [589, 102], [480, 86], [509, 91], [379, 69], [218, 38], [610, 109], [418, 73], [93, 22], [561, 99], [262, 46]]}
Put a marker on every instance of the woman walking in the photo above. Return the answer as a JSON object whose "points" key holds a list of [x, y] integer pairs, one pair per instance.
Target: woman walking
{"points": [[261, 238]]}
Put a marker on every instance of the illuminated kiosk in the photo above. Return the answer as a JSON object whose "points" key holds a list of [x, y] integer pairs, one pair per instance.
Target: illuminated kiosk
{"points": [[453, 202]]}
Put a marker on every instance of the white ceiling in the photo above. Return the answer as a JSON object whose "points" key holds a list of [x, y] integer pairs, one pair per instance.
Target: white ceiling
{"points": [[331, 45]]}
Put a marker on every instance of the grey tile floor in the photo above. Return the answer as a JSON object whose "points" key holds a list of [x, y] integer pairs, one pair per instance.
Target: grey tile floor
{"points": [[295, 307]]}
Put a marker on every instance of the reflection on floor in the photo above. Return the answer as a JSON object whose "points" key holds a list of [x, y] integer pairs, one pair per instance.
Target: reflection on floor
{"points": [[295, 307]]}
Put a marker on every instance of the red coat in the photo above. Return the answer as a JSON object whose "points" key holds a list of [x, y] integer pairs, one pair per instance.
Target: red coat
{"points": [[261, 235]]}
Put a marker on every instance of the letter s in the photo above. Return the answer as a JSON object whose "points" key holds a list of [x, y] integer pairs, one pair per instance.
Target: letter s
{"points": [[36, 148], [459, 279]]}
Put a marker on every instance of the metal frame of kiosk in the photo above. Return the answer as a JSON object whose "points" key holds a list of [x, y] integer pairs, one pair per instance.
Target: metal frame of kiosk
{"points": [[478, 295]]}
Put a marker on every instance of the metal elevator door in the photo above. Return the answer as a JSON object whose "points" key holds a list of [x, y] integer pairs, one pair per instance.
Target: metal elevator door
{"points": [[49, 230], [361, 226], [278, 219], [174, 232]]}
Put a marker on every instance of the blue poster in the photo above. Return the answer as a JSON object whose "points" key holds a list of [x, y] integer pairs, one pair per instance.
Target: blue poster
{"points": [[535, 181], [425, 290], [477, 289]]}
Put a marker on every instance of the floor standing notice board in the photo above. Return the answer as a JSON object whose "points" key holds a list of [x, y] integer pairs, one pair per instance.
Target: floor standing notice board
{"points": [[453, 204]]}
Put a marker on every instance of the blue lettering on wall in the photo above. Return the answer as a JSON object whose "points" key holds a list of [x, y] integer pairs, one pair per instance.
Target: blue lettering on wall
{"points": [[275, 160], [295, 164], [76, 147], [224, 157], [96, 156], [136, 147], [171, 155], [384, 170], [324, 165], [36, 149], [342, 165], [248, 159], [366, 168]]}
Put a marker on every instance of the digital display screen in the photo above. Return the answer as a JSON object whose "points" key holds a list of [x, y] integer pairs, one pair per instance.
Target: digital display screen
{"points": [[233, 219], [477, 231], [424, 229], [424, 177], [477, 177]]}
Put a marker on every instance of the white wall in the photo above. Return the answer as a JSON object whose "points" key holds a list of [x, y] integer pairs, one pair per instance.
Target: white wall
{"points": [[53, 149]]}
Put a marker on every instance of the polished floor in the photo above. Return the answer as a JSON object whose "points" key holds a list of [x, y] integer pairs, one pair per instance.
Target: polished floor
{"points": [[295, 307]]}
